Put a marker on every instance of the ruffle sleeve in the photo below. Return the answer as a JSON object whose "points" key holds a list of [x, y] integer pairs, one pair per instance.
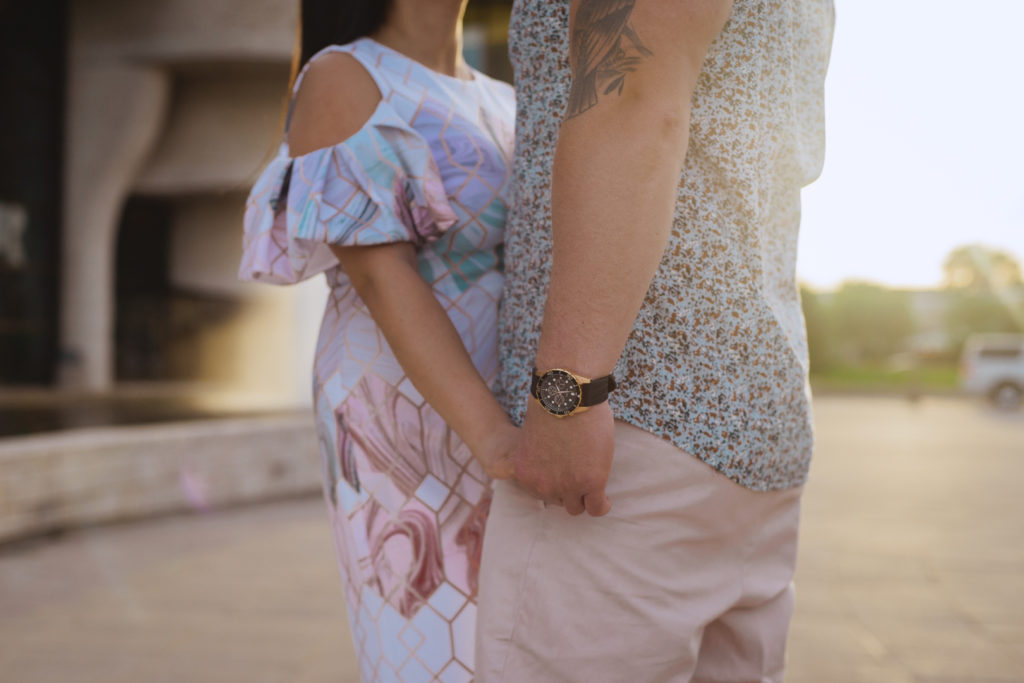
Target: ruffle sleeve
{"points": [[379, 186]]}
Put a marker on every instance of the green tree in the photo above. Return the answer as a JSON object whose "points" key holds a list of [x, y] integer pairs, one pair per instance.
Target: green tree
{"points": [[821, 341], [985, 292], [870, 322], [975, 267], [973, 311]]}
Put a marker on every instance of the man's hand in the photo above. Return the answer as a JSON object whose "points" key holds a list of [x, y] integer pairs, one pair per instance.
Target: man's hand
{"points": [[566, 461]]}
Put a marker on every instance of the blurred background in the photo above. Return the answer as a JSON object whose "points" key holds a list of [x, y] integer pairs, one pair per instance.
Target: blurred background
{"points": [[159, 493]]}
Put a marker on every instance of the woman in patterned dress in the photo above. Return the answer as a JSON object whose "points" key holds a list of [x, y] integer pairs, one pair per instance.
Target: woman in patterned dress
{"points": [[393, 181]]}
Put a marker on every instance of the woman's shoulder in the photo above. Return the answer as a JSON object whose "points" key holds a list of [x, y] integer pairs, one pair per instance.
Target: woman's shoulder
{"points": [[334, 99]]}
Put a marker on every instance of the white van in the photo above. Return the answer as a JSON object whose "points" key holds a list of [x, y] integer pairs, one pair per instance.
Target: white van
{"points": [[992, 365]]}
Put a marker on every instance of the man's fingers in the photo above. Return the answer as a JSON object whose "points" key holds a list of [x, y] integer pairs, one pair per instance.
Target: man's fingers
{"points": [[574, 506], [597, 504], [539, 491]]}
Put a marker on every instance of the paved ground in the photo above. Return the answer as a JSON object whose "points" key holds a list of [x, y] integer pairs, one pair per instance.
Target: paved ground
{"points": [[911, 570]]}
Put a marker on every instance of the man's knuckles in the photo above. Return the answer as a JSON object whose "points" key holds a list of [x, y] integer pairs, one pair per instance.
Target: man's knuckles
{"points": [[546, 490]]}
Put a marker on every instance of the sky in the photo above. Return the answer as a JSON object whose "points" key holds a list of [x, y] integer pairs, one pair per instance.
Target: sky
{"points": [[924, 106]]}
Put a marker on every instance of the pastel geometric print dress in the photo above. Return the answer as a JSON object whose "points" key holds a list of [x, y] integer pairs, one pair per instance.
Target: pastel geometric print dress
{"points": [[406, 499]]}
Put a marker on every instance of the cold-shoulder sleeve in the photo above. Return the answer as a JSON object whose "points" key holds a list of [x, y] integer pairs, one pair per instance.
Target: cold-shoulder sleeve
{"points": [[379, 186]]}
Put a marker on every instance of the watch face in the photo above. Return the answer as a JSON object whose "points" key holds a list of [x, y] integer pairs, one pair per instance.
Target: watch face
{"points": [[558, 392]]}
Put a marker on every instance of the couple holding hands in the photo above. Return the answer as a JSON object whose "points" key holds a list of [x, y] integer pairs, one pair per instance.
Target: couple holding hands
{"points": [[561, 379]]}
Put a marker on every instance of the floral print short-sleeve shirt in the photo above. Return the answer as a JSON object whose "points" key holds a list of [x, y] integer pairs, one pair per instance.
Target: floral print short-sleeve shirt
{"points": [[717, 359]]}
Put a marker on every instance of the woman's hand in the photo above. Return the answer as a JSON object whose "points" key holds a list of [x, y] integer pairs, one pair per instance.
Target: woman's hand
{"points": [[496, 450]]}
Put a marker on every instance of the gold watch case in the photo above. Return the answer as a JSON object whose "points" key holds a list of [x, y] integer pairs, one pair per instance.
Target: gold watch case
{"points": [[560, 392]]}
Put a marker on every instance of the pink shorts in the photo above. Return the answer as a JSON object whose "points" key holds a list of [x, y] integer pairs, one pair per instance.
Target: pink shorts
{"points": [[689, 578]]}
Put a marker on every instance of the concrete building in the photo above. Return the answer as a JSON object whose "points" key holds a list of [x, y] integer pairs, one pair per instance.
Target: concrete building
{"points": [[158, 116]]}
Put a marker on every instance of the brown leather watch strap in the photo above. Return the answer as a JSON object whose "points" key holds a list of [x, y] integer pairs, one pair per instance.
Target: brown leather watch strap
{"points": [[597, 390]]}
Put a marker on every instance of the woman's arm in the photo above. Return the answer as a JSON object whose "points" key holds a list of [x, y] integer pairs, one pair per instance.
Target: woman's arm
{"points": [[414, 323], [425, 342]]}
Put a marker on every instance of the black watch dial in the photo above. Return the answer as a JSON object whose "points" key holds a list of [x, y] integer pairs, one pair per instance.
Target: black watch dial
{"points": [[558, 392]]}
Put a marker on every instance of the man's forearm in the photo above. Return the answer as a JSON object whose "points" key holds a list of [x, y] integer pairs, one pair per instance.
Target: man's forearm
{"points": [[617, 167], [613, 196]]}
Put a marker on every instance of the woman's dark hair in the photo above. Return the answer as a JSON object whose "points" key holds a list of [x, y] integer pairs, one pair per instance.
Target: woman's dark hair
{"points": [[336, 22]]}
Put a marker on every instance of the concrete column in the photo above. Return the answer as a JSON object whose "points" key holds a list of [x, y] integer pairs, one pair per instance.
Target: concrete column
{"points": [[115, 113]]}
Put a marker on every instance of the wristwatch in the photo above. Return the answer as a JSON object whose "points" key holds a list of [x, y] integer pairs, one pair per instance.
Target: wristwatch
{"points": [[563, 393]]}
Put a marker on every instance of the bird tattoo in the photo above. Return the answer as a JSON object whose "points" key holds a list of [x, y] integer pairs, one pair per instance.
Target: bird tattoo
{"points": [[604, 48]]}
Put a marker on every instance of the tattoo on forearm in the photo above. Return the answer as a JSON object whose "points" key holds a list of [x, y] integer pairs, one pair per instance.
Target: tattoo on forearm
{"points": [[604, 48]]}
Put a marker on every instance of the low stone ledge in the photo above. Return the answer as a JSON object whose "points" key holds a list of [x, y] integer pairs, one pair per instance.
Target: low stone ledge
{"points": [[62, 480]]}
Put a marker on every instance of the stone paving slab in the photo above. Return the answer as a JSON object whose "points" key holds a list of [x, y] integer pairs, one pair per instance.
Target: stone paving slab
{"points": [[250, 594], [911, 571]]}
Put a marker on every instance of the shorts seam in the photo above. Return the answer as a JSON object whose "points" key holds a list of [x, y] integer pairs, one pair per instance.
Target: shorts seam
{"points": [[519, 597]]}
